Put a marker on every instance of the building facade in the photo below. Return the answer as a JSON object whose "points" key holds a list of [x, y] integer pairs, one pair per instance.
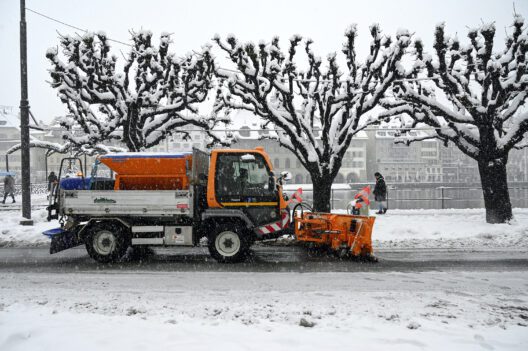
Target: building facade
{"points": [[373, 150], [248, 134], [9, 137]]}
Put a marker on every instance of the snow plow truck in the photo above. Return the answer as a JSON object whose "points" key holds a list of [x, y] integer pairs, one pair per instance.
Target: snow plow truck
{"points": [[229, 196]]}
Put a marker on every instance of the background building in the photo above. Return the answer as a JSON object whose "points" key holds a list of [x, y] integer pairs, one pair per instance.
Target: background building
{"points": [[247, 133], [373, 150], [9, 137]]}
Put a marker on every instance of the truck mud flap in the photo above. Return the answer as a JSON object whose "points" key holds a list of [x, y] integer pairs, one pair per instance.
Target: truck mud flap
{"points": [[61, 239]]}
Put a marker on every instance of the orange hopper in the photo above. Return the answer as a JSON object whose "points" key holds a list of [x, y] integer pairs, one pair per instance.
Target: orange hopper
{"points": [[149, 171]]}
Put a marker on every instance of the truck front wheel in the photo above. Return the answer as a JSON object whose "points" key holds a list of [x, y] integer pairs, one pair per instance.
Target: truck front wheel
{"points": [[106, 242], [228, 244]]}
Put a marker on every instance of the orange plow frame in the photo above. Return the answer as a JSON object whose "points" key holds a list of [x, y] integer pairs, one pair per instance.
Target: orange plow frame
{"points": [[345, 234]]}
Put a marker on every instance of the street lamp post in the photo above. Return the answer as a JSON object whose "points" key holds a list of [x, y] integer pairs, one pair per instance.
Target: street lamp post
{"points": [[24, 121]]}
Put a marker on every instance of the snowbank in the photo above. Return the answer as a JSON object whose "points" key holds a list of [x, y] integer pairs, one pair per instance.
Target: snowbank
{"points": [[14, 234], [43, 329], [263, 311], [452, 228]]}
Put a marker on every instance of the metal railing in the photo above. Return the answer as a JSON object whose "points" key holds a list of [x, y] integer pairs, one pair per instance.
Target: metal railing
{"points": [[418, 196], [400, 196], [36, 188]]}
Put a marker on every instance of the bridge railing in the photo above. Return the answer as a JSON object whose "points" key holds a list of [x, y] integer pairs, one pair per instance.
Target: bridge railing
{"points": [[420, 196]]}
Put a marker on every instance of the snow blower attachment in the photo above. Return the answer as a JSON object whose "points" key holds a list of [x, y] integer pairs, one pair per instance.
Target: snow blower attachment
{"points": [[347, 235]]}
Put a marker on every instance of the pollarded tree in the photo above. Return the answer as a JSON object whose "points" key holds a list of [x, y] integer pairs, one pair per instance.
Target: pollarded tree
{"points": [[300, 104], [473, 98], [141, 103]]}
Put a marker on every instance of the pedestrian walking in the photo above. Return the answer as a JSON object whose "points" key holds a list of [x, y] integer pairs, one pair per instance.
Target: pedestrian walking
{"points": [[9, 187], [380, 193], [52, 180]]}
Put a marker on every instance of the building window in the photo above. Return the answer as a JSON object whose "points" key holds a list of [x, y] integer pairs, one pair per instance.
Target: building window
{"points": [[276, 163], [298, 179], [287, 163], [352, 178], [339, 179]]}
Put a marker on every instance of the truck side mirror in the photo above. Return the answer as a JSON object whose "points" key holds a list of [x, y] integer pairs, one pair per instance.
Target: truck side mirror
{"points": [[286, 175]]}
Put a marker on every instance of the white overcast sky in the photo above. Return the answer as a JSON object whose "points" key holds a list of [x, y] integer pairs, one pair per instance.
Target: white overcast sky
{"points": [[195, 22]]}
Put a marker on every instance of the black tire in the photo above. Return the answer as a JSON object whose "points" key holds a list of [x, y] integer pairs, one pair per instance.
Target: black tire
{"points": [[140, 253], [229, 243], [106, 242]]}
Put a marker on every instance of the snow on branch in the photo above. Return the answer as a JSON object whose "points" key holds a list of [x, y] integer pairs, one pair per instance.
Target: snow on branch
{"points": [[55, 147], [318, 108], [475, 96], [153, 95], [67, 147]]}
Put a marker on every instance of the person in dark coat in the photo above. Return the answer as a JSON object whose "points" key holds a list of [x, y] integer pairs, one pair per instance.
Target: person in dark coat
{"points": [[9, 188], [380, 193], [52, 180]]}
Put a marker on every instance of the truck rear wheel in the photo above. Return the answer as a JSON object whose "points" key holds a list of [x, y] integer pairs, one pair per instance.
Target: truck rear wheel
{"points": [[106, 242], [228, 244]]}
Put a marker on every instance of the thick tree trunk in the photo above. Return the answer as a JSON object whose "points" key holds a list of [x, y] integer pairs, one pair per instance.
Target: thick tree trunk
{"points": [[322, 193], [495, 190]]}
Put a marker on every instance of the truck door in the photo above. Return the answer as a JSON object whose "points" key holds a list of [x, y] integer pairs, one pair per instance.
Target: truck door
{"points": [[244, 181]]}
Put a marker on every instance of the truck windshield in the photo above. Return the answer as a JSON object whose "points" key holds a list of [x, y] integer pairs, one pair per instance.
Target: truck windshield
{"points": [[243, 179]]}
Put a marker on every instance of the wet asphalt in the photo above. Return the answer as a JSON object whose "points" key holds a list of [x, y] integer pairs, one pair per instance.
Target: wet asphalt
{"points": [[266, 258]]}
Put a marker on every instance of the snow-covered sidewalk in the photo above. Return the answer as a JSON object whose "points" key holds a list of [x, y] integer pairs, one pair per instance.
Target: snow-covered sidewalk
{"points": [[264, 311], [12, 234], [397, 229], [450, 228]]}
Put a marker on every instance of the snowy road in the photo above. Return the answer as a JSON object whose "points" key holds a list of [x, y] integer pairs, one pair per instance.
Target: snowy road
{"points": [[282, 300], [445, 280], [270, 259]]}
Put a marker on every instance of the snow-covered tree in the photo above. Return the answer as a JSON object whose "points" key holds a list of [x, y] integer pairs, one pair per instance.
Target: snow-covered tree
{"points": [[473, 97], [315, 111], [140, 102]]}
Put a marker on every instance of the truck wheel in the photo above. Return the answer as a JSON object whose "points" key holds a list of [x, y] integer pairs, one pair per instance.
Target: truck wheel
{"points": [[228, 244], [106, 242]]}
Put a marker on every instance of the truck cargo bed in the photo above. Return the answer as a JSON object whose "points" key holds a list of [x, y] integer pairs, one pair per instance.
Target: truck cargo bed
{"points": [[130, 202]]}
